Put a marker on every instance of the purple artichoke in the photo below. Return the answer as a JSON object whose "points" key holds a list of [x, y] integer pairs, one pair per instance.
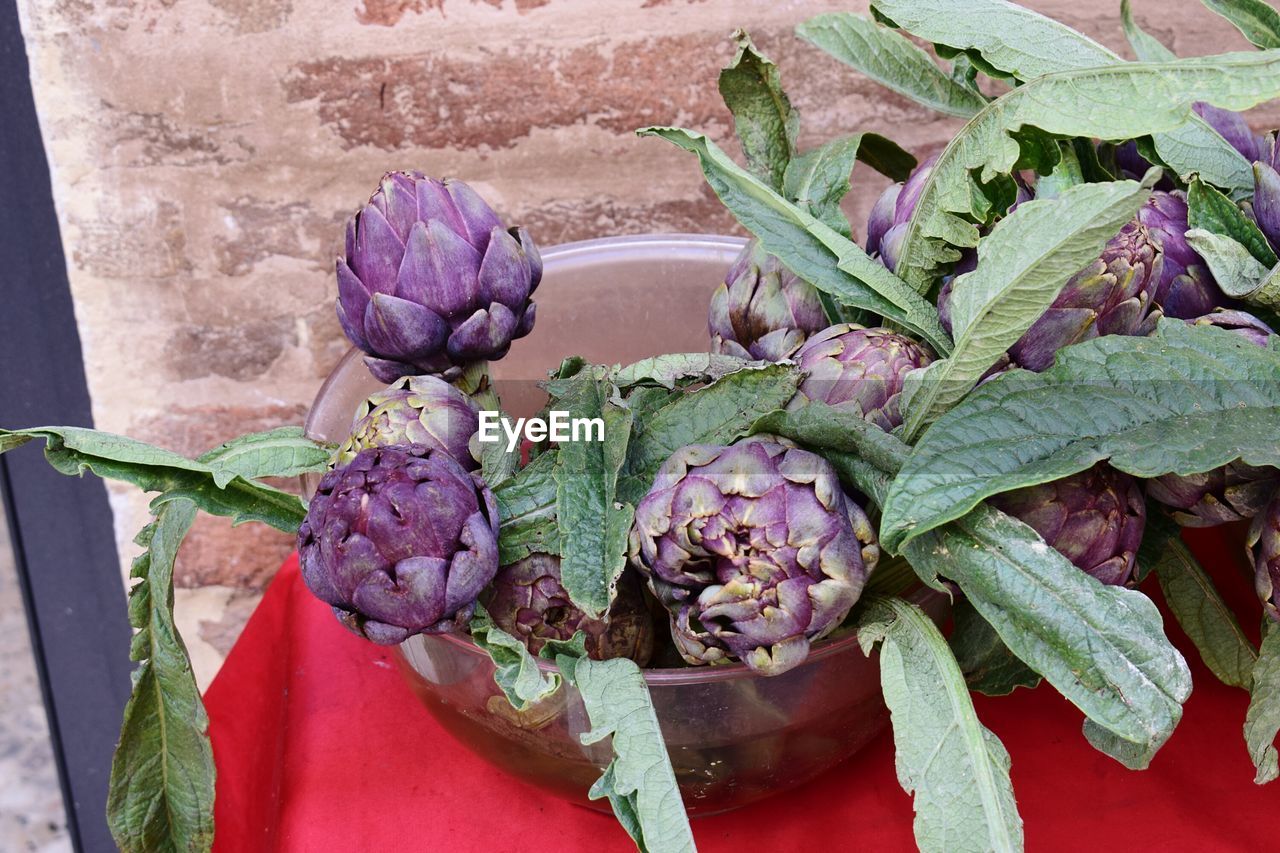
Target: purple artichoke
{"points": [[859, 370], [763, 311], [431, 280], [1264, 540], [887, 224], [528, 601], [1233, 128], [400, 541], [1185, 287], [1242, 323], [754, 550], [1266, 190], [416, 410], [1095, 519]]}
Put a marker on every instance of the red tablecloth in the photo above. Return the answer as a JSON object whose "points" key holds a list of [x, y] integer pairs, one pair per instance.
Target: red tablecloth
{"points": [[320, 746]]}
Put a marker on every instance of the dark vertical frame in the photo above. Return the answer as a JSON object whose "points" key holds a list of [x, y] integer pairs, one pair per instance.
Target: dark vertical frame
{"points": [[61, 527]]}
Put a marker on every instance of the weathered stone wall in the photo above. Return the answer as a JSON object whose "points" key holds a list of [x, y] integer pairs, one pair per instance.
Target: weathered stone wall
{"points": [[205, 153]]}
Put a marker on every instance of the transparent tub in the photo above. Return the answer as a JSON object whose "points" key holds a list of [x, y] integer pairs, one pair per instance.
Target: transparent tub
{"points": [[734, 737]]}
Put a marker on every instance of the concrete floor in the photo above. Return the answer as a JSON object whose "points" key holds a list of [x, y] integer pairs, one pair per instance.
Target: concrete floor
{"points": [[31, 813]]}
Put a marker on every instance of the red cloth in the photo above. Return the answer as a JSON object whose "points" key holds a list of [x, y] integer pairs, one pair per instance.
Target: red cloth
{"points": [[321, 746]]}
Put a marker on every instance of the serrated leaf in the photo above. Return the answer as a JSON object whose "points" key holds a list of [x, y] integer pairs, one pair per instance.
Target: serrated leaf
{"points": [[1235, 270], [527, 511], [74, 450], [593, 523], [673, 369], [160, 795], [1185, 401], [1023, 265], [1255, 19], [498, 461], [818, 254], [890, 59], [1091, 102], [639, 782], [1017, 41], [819, 426], [281, 452], [516, 671], [1145, 46], [988, 665], [955, 768], [819, 179], [765, 122], [1262, 722], [1212, 211], [718, 414], [1196, 603]]}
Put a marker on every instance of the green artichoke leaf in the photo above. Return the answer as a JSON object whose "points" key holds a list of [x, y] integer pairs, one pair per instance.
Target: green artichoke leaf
{"points": [[216, 486], [670, 370], [891, 59], [498, 463], [988, 665], [1262, 721], [1145, 46], [1196, 603], [1210, 210], [821, 427], [817, 180], [812, 250], [160, 795], [1236, 271], [1023, 265], [527, 511], [516, 671], [766, 123], [594, 524], [1185, 401], [718, 414], [1090, 102], [956, 769], [1255, 19], [640, 782]]}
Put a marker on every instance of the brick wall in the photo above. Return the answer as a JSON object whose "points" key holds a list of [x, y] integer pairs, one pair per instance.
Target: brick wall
{"points": [[205, 153]]}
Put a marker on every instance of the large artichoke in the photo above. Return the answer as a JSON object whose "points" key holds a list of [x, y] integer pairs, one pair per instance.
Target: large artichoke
{"points": [[1095, 519], [1264, 539], [431, 281], [859, 370], [400, 541], [763, 310], [1185, 287], [754, 549], [416, 410], [528, 601]]}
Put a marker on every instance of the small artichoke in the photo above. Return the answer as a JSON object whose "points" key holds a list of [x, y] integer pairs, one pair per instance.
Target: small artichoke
{"points": [[763, 311], [1095, 519], [1233, 128], [400, 541], [1264, 540], [528, 601], [422, 410], [1266, 190], [1242, 323], [431, 281], [754, 549], [859, 370], [1185, 287], [887, 224]]}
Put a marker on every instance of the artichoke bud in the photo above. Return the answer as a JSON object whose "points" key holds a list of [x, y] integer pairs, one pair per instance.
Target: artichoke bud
{"points": [[1185, 287], [859, 370], [754, 550], [1264, 541], [1095, 519], [431, 281], [528, 601], [400, 541], [423, 410], [887, 224], [763, 310], [1266, 191]]}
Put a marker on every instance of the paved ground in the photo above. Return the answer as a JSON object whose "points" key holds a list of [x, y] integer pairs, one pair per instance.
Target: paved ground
{"points": [[31, 814]]}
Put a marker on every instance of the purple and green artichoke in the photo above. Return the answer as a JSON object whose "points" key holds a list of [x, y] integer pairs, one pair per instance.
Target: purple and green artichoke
{"points": [[887, 224], [528, 601], [1264, 540], [431, 280], [754, 549], [763, 310], [1266, 190], [1095, 519], [1241, 323], [422, 410], [400, 541], [859, 370], [1185, 287]]}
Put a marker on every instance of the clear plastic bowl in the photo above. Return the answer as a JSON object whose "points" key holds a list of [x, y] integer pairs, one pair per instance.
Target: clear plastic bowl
{"points": [[734, 737]]}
